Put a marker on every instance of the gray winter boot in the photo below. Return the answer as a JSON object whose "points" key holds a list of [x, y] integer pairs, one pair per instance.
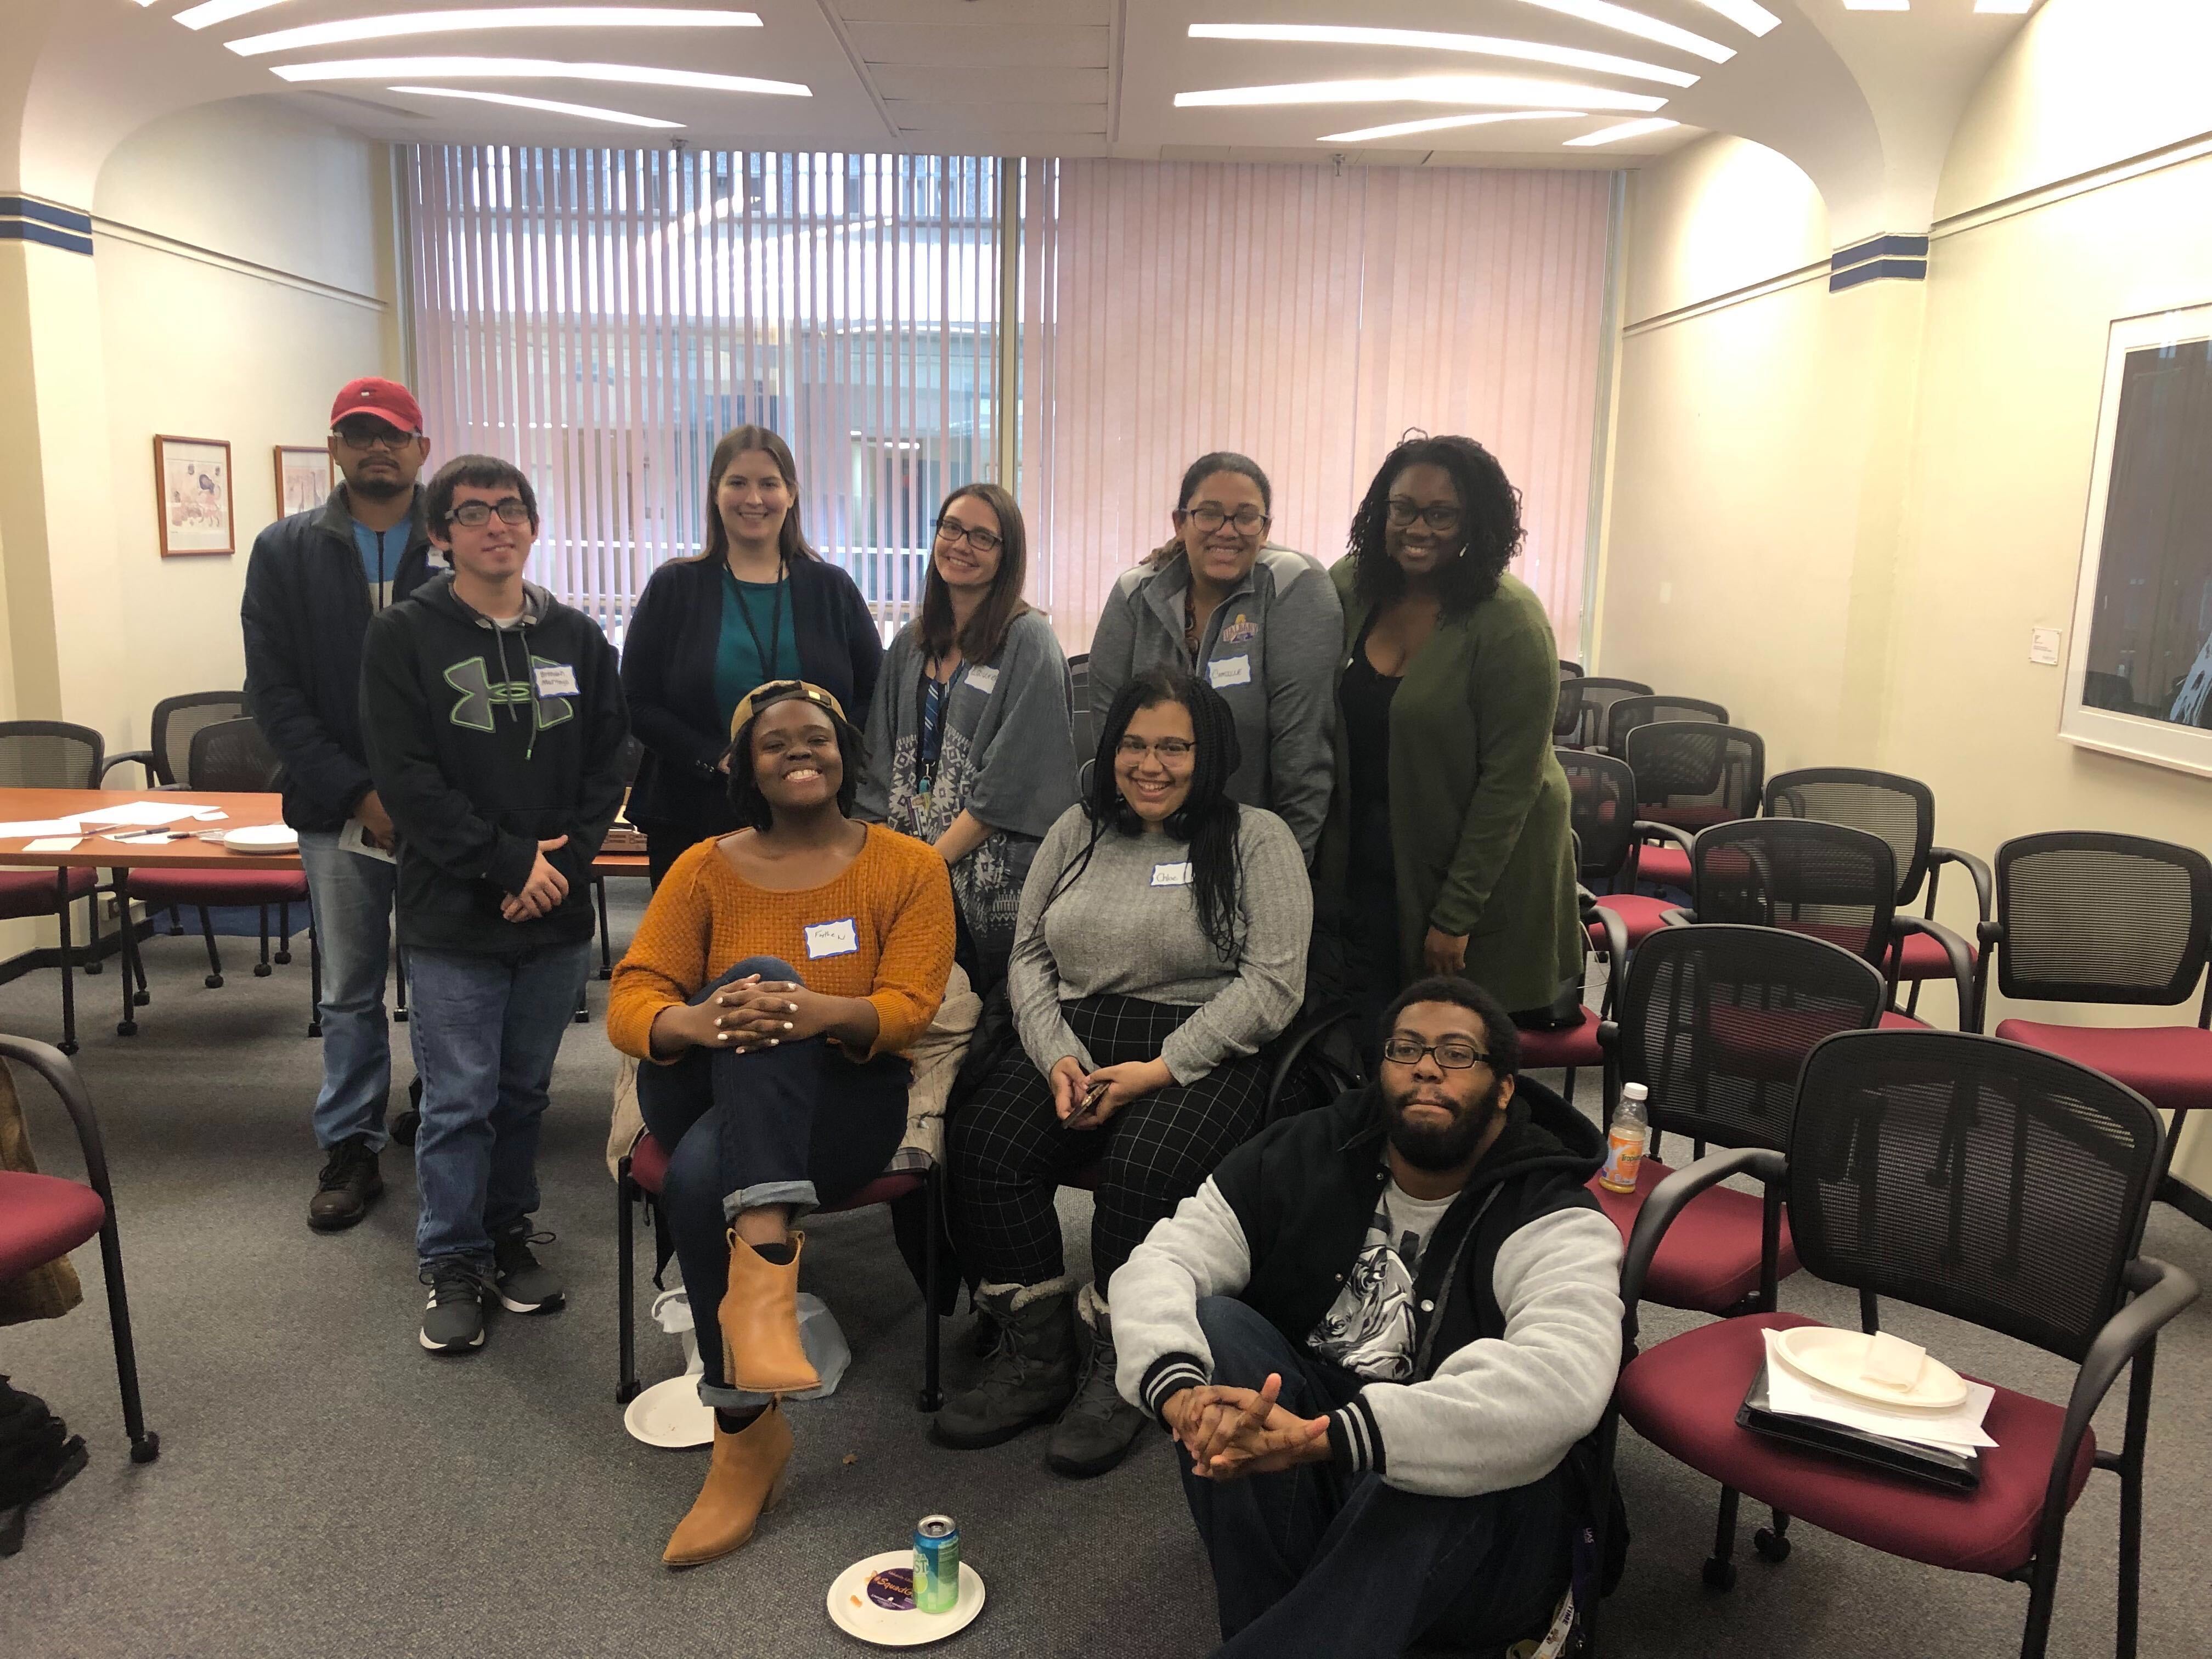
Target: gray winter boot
{"points": [[1098, 1427], [1031, 1376]]}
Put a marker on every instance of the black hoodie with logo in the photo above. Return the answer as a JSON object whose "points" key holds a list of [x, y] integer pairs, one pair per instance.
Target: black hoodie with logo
{"points": [[484, 741]]}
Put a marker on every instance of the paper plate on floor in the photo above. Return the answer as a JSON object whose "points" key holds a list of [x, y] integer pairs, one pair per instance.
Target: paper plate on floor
{"points": [[264, 838], [1832, 1357], [873, 1600], [669, 1414]]}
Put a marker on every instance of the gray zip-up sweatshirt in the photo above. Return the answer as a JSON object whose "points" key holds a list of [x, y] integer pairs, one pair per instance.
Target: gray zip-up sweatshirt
{"points": [[1270, 650]]}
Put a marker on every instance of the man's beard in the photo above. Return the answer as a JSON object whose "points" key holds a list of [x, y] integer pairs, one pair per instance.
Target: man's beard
{"points": [[382, 487], [1448, 1146]]}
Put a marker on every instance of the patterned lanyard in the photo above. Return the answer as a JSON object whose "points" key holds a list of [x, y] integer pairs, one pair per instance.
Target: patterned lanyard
{"points": [[930, 700]]}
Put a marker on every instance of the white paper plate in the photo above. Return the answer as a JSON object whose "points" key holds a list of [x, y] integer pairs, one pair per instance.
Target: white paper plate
{"points": [[1833, 1358], [264, 838], [669, 1414], [853, 1612]]}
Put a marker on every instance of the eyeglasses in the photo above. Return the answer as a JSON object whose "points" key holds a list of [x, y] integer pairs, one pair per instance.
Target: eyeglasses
{"points": [[1403, 513], [1170, 750], [371, 434], [1247, 520], [950, 531], [1452, 1054], [476, 515]]}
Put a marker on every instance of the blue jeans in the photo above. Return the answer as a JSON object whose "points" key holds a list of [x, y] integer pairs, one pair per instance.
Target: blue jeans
{"points": [[486, 1031], [1309, 1561], [352, 900]]}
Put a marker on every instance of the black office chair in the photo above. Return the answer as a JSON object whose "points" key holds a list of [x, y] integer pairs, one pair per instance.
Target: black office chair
{"points": [[1593, 697], [1078, 704], [1629, 713], [1690, 775], [177, 720]]}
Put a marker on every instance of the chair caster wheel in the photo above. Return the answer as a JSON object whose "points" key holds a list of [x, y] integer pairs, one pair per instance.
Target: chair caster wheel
{"points": [[94, 967], [283, 959], [398, 1016], [67, 1047], [262, 971], [126, 1028], [404, 1125], [146, 1451], [928, 1399], [142, 998], [1771, 1545], [1718, 1574], [628, 1392], [315, 1030], [213, 982]]}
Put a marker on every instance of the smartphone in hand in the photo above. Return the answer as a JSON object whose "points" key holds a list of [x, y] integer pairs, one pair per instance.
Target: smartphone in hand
{"points": [[1081, 1117]]}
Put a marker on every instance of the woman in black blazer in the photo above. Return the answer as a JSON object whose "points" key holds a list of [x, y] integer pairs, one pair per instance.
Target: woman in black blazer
{"points": [[756, 605]]}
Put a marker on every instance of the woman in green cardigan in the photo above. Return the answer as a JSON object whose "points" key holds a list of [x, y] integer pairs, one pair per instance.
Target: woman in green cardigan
{"points": [[1447, 849]]}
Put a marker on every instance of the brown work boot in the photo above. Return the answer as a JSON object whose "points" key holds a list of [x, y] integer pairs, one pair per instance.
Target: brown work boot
{"points": [[745, 1480]]}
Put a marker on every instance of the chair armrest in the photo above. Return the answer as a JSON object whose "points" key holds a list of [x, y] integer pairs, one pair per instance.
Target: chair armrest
{"points": [[1660, 1210], [142, 757], [50, 1063], [1962, 964], [1678, 918], [1301, 1036], [1646, 830], [1984, 884]]}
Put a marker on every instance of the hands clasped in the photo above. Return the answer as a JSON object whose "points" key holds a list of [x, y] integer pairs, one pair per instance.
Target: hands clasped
{"points": [[752, 1014], [1230, 1433], [545, 892]]}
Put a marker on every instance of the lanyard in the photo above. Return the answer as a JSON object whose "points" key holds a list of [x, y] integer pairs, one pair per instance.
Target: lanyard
{"points": [[929, 723], [766, 654]]}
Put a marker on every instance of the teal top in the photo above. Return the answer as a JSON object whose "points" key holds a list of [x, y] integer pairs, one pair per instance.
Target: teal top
{"points": [[759, 641]]}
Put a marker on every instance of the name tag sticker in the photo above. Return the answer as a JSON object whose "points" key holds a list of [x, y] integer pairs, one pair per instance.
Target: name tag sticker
{"points": [[554, 680], [1225, 672], [985, 680], [1171, 875], [832, 939]]}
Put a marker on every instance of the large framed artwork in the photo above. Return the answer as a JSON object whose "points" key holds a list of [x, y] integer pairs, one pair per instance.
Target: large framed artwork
{"points": [[2139, 669], [193, 496]]}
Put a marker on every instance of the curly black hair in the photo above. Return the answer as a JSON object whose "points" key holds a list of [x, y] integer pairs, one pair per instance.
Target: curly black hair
{"points": [[745, 798], [1207, 819], [1490, 523]]}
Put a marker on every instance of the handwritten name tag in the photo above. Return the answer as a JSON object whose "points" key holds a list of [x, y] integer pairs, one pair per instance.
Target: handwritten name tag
{"points": [[1171, 875], [1225, 672], [985, 680], [554, 679], [832, 939]]}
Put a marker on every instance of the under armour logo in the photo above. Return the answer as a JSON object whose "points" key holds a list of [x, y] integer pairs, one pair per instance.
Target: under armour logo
{"points": [[481, 694]]}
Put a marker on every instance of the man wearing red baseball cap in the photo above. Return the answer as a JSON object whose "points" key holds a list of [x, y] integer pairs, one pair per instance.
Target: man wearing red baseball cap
{"points": [[314, 580]]}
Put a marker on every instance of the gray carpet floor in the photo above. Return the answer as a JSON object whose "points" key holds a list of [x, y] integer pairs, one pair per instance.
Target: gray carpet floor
{"points": [[326, 1486]]}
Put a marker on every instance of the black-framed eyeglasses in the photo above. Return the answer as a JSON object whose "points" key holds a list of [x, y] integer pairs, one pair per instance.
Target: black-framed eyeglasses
{"points": [[949, 530], [1169, 750], [1245, 520], [1402, 513], [372, 434], [1451, 1054], [476, 515]]}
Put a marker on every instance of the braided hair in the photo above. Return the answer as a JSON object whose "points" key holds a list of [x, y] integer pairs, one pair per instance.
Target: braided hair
{"points": [[1490, 523], [1207, 819]]}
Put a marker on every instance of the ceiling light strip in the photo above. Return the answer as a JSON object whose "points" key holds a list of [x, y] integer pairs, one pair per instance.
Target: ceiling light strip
{"points": [[1745, 15], [1423, 89], [399, 25], [1607, 15], [531, 68], [587, 111], [1614, 135], [217, 11], [1484, 46], [1443, 123]]}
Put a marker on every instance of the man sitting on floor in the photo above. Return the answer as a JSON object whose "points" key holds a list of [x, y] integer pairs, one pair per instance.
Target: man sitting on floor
{"points": [[1377, 1333]]}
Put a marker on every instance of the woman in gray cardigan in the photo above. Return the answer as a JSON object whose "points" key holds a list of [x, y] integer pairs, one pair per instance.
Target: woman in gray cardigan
{"points": [[1162, 943], [968, 745], [1260, 624]]}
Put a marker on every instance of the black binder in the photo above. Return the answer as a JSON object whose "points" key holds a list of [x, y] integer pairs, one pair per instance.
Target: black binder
{"points": [[1959, 1471]]}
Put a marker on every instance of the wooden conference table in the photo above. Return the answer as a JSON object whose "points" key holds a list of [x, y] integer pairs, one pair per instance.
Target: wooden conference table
{"points": [[97, 850]]}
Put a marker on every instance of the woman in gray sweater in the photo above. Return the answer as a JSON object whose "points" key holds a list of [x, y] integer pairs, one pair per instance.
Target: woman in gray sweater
{"points": [[1161, 943]]}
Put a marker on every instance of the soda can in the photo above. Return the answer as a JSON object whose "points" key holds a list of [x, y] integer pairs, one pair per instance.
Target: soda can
{"points": [[936, 1564]]}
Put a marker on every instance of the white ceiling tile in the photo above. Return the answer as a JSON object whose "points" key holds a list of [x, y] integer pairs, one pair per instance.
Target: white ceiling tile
{"points": [[910, 116], [1017, 46], [971, 85]]}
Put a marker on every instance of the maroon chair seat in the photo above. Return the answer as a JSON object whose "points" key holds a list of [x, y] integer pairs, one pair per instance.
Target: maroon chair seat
{"points": [[1709, 1261], [1641, 917], [1921, 956], [43, 1217], [31, 892], [218, 887], [1664, 867], [2169, 1065], [1682, 1395], [1893, 1020], [648, 1168], [1567, 1050]]}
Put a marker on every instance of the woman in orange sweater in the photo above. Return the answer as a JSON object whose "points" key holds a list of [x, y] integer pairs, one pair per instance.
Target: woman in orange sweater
{"points": [[776, 1088]]}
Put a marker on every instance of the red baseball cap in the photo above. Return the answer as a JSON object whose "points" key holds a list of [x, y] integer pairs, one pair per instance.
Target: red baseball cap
{"points": [[388, 400]]}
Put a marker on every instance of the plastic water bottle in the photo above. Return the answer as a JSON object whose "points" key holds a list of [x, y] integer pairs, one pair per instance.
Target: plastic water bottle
{"points": [[1625, 1139]]}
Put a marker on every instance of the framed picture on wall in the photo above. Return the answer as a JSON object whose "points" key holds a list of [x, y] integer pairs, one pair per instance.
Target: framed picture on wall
{"points": [[2139, 668], [303, 479], [193, 496]]}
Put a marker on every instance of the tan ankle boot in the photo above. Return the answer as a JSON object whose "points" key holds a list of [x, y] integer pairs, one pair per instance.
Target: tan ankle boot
{"points": [[760, 1323], [745, 1480]]}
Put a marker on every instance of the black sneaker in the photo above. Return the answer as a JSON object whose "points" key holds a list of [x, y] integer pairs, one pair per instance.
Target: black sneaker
{"points": [[524, 1286], [454, 1321], [349, 1184]]}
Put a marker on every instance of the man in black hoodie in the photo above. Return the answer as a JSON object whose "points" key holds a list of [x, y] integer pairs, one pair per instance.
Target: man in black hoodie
{"points": [[494, 720], [1383, 1334]]}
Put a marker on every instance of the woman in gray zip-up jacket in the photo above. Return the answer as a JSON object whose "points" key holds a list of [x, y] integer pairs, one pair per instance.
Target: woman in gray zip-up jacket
{"points": [[1262, 624]]}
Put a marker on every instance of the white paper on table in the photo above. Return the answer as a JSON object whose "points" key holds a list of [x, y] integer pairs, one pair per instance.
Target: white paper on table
{"points": [[1956, 1430], [210, 815], [55, 844], [144, 814], [39, 827]]}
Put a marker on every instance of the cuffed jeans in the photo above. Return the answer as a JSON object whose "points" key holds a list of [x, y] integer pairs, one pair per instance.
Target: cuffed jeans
{"points": [[798, 1124], [352, 898], [1310, 1561], [486, 1032]]}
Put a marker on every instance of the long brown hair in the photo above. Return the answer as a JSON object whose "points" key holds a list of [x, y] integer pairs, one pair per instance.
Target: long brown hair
{"points": [[792, 542], [985, 632]]}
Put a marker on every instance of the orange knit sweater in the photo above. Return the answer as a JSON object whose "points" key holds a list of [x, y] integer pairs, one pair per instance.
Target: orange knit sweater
{"points": [[705, 918]]}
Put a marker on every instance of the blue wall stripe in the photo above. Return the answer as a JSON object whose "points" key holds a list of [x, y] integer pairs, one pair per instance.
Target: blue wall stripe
{"points": [[1908, 270], [22, 207], [1878, 247], [23, 230]]}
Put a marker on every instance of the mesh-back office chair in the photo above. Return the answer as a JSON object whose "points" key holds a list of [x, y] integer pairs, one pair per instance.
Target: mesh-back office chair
{"points": [[1690, 775], [1078, 704], [2089, 917], [1601, 811], [1567, 712], [1902, 812], [1571, 1048], [2032, 1227], [177, 720], [1592, 696], [1629, 713]]}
